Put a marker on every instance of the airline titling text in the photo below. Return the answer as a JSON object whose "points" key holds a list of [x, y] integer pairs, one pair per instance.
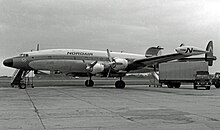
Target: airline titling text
{"points": [[80, 53]]}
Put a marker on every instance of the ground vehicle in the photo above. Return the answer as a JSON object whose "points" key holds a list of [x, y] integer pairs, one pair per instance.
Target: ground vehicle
{"points": [[216, 80], [202, 79], [174, 73]]}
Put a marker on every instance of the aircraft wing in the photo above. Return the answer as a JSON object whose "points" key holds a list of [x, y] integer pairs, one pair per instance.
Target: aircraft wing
{"points": [[159, 59], [182, 53]]}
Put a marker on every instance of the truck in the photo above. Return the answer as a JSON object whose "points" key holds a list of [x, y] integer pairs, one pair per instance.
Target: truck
{"points": [[173, 74], [216, 80], [202, 79]]}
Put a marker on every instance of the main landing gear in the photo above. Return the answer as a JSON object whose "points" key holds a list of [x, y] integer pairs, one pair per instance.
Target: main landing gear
{"points": [[89, 82], [118, 84]]}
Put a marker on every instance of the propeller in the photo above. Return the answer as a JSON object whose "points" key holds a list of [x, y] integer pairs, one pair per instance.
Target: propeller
{"points": [[90, 66], [109, 56], [112, 62]]}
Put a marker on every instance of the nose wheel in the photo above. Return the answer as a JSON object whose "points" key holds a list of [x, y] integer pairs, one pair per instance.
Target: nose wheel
{"points": [[22, 86]]}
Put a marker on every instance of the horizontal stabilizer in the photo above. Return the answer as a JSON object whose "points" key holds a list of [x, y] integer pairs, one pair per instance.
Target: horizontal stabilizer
{"points": [[209, 57]]}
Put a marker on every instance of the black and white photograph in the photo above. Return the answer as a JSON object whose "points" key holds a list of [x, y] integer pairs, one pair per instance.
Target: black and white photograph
{"points": [[109, 64]]}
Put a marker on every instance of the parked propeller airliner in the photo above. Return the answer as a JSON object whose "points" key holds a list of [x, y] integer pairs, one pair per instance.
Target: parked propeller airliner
{"points": [[79, 62]]}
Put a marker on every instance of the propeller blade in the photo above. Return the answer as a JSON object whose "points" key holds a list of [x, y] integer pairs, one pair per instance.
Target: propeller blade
{"points": [[91, 65], [109, 56], [111, 62], [109, 72]]}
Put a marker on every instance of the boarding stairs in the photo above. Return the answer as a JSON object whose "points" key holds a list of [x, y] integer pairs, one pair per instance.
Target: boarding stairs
{"points": [[156, 75], [18, 77], [155, 80]]}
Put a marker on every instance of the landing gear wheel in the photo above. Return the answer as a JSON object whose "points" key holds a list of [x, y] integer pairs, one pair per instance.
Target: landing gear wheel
{"points": [[195, 87], [207, 87], [89, 83], [22, 86], [120, 84], [169, 85], [177, 85], [217, 85], [12, 85]]}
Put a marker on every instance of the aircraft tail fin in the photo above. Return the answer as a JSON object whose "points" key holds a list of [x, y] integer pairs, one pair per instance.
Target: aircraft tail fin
{"points": [[209, 55], [153, 51]]}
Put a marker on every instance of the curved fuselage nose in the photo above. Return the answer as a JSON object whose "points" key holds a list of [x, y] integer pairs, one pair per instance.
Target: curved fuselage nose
{"points": [[18, 63], [8, 62]]}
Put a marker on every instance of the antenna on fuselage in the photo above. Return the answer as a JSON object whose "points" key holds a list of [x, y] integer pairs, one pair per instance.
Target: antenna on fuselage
{"points": [[182, 44], [38, 47]]}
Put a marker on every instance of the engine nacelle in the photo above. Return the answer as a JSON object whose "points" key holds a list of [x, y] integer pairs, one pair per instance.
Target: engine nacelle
{"points": [[120, 64], [97, 68]]}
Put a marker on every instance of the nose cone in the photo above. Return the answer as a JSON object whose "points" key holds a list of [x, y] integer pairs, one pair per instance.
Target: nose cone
{"points": [[8, 62]]}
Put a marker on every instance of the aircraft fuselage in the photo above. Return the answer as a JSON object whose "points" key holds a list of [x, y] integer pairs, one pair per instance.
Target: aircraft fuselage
{"points": [[65, 60]]}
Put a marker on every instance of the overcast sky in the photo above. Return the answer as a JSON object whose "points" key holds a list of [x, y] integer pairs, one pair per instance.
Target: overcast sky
{"points": [[128, 25]]}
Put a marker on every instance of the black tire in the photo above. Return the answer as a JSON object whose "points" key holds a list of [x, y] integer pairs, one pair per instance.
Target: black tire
{"points": [[207, 87], [217, 85], [169, 85], [195, 87], [89, 83], [120, 84], [177, 85], [22, 86]]}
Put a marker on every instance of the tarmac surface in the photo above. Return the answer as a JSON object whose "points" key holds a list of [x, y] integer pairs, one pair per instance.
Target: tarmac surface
{"points": [[106, 108]]}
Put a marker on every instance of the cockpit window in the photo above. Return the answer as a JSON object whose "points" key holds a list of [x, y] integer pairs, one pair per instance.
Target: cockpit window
{"points": [[24, 55]]}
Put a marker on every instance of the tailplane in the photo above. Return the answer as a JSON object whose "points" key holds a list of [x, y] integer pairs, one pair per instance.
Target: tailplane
{"points": [[209, 57]]}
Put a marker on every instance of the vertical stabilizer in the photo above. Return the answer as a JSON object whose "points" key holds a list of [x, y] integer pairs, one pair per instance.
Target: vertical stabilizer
{"points": [[209, 55]]}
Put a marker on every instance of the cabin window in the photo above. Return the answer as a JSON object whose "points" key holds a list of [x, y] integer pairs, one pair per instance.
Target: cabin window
{"points": [[24, 55]]}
